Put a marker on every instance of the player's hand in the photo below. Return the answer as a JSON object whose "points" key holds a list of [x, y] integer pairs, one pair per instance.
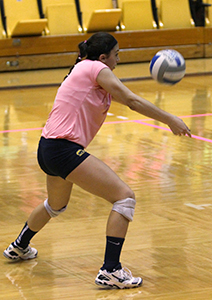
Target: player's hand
{"points": [[178, 127]]}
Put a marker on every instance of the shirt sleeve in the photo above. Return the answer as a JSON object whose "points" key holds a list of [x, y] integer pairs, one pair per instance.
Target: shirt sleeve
{"points": [[97, 67]]}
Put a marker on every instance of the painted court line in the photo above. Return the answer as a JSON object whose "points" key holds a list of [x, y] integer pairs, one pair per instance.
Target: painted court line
{"points": [[167, 129], [21, 130], [196, 116], [142, 122], [197, 206]]}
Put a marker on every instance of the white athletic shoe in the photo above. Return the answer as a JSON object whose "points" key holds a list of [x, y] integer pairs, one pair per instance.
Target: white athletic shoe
{"points": [[14, 253], [121, 279]]}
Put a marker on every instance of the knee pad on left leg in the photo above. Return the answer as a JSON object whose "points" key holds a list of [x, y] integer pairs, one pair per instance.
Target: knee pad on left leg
{"points": [[53, 213], [125, 207]]}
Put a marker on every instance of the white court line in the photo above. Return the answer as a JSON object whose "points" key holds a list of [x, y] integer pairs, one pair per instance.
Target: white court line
{"points": [[198, 207]]}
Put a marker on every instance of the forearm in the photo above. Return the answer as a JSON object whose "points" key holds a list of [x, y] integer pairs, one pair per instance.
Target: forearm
{"points": [[120, 93], [148, 109]]}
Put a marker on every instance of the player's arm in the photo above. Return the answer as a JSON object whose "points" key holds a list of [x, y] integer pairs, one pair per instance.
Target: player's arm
{"points": [[120, 93]]}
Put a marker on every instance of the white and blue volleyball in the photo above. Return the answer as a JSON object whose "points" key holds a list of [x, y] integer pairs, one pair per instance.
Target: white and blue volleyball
{"points": [[167, 66]]}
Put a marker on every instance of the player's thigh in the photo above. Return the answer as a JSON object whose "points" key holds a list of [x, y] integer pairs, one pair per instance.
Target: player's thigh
{"points": [[59, 191], [96, 177]]}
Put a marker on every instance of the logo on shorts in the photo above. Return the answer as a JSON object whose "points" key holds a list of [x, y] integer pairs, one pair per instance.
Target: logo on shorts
{"points": [[80, 152]]}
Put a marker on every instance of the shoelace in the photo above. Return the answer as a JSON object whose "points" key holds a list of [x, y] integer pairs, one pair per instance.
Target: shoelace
{"points": [[27, 250], [24, 251], [126, 273]]}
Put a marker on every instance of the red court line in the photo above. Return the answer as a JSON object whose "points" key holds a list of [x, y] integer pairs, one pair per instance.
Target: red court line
{"points": [[21, 130], [143, 122], [167, 129], [195, 116]]}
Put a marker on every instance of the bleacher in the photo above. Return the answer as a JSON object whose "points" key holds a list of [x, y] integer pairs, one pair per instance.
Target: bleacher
{"points": [[39, 34]]}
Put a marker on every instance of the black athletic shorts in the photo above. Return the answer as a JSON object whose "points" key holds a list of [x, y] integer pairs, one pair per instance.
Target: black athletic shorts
{"points": [[59, 157]]}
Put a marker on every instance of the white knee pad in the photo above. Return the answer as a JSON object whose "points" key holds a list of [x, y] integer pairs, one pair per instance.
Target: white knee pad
{"points": [[125, 207], [53, 213]]}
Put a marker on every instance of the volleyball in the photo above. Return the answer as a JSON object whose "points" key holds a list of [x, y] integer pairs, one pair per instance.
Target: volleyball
{"points": [[167, 67]]}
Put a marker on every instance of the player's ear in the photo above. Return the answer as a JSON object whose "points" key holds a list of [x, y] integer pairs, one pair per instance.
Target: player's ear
{"points": [[102, 58]]}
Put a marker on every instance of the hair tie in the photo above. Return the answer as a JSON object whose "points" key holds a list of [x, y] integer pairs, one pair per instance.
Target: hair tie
{"points": [[85, 41]]}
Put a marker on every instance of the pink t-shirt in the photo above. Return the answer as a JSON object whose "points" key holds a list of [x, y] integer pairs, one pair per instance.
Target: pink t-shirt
{"points": [[80, 106]]}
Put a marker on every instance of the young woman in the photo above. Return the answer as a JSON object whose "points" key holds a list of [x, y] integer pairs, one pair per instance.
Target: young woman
{"points": [[79, 110]]}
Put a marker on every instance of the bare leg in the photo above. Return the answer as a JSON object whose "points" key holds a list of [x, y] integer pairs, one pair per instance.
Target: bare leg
{"points": [[97, 178], [59, 191], [117, 225], [38, 218]]}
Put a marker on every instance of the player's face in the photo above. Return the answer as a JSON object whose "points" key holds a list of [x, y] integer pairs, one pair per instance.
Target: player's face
{"points": [[112, 60]]}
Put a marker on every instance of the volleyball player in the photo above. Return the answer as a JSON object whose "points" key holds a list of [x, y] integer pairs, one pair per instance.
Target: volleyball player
{"points": [[79, 110]]}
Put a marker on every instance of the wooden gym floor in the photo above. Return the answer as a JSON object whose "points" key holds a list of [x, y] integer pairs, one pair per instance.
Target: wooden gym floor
{"points": [[169, 243]]}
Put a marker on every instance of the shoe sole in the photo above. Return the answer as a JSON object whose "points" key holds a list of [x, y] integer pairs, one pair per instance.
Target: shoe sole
{"points": [[18, 258], [114, 286]]}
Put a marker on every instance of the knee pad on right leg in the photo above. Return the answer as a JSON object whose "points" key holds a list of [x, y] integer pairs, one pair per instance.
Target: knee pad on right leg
{"points": [[125, 207], [53, 213]]}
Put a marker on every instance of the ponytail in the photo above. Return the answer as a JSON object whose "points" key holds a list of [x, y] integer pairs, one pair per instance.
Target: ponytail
{"points": [[99, 43]]}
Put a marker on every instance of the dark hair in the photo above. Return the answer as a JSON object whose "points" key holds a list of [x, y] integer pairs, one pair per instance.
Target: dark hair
{"points": [[99, 43]]}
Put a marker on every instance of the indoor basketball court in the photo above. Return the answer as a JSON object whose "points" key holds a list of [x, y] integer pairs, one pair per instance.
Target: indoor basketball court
{"points": [[168, 243]]}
